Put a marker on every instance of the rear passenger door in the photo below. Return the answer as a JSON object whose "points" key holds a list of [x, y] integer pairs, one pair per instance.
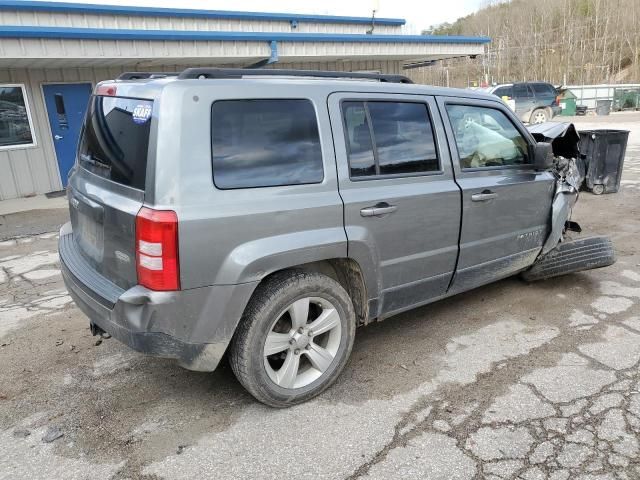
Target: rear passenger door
{"points": [[401, 204], [506, 203], [525, 101]]}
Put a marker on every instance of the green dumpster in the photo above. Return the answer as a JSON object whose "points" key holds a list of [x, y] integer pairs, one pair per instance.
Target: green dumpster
{"points": [[567, 102]]}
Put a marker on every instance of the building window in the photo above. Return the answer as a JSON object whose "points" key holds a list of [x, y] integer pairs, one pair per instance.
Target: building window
{"points": [[16, 127]]}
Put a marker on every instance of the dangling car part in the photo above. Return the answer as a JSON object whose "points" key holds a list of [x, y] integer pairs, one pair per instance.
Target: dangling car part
{"points": [[560, 254]]}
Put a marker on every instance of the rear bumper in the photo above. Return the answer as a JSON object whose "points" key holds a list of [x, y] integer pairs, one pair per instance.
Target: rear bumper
{"points": [[556, 110], [192, 326]]}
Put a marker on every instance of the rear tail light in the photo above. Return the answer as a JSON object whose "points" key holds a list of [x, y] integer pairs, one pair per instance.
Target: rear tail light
{"points": [[157, 249], [558, 100]]}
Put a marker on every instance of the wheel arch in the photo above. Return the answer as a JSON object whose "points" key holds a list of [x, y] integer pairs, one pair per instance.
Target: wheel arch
{"points": [[346, 271]]}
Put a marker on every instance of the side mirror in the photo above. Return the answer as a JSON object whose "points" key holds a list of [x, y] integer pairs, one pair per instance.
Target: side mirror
{"points": [[543, 156]]}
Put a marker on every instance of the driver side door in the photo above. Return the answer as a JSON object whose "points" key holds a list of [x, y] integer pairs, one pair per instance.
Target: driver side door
{"points": [[506, 204]]}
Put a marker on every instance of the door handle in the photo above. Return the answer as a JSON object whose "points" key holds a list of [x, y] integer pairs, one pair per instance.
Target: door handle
{"points": [[58, 137], [484, 196], [378, 210]]}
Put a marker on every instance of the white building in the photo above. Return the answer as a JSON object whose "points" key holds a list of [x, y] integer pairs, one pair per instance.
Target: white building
{"points": [[52, 54]]}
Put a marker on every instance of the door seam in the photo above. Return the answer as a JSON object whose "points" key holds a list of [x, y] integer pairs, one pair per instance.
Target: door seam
{"points": [[455, 180]]}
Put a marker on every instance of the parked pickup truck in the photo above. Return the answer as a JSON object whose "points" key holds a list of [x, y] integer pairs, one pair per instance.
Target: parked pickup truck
{"points": [[266, 214]]}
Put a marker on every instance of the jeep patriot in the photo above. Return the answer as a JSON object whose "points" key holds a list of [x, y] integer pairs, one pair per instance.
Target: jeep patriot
{"points": [[265, 214]]}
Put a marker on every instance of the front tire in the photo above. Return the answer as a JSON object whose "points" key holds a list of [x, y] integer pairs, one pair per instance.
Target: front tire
{"points": [[294, 338]]}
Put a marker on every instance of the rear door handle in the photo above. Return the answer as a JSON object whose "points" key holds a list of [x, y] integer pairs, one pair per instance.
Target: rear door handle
{"points": [[484, 196], [378, 210]]}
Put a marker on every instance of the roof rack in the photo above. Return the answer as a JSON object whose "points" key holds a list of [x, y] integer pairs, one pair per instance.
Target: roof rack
{"points": [[144, 75], [196, 73]]}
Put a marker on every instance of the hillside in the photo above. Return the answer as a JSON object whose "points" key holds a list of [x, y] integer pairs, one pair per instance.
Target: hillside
{"points": [[561, 41]]}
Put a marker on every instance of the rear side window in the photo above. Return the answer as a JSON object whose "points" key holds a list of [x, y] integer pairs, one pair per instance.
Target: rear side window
{"points": [[521, 90], [544, 89], [115, 139], [389, 138], [265, 143]]}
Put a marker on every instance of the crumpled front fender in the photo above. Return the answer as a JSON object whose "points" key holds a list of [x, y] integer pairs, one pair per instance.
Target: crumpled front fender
{"points": [[568, 170], [563, 202]]}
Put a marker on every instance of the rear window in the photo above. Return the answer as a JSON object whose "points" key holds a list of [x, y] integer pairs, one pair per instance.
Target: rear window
{"points": [[265, 143], [544, 89], [115, 139]]}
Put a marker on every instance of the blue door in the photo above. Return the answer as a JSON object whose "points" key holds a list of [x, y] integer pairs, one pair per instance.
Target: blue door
{"points": [[66, 104]]}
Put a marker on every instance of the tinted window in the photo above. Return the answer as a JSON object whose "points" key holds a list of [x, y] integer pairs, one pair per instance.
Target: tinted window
{"points": [[265, 143], [544, 89], [521, 90], [399, 139], [485, 137], [504, 92], [115, 139], [360, 147], [14, 118]]}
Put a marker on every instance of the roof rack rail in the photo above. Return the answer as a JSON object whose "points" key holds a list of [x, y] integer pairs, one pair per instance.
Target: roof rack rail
{"points": [[144, 75], [195, 73]]}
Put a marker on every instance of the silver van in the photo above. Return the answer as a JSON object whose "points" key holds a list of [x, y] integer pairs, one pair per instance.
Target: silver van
{"points": [[266, 214]]}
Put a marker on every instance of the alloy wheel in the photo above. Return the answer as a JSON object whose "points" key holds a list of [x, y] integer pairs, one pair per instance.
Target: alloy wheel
{"points": [[302, 342]]}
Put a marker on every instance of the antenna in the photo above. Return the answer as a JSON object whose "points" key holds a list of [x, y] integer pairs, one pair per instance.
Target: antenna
{"points": [[373, 22]]}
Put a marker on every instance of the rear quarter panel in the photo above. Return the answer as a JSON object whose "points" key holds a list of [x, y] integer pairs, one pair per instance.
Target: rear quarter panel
{"points": [[239, 236]]}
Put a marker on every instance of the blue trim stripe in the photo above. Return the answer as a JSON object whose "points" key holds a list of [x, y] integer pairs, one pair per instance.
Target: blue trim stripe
{"points": [[67, 7], [10, 31]]}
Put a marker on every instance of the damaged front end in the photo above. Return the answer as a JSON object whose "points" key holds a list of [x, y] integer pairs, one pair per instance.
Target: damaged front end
{"points": [[560, 254]]}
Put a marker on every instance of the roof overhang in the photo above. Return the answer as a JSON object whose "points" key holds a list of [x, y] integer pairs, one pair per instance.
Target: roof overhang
{"points": [[81, 8], [42, 47], [20, 31]]}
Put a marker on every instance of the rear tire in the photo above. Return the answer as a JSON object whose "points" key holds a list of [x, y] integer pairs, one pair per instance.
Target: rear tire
{"points": [[276, 355], [539, 116]]}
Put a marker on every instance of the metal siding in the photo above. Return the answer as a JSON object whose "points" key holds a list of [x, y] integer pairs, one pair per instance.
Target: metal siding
{"points": [[137, 22], [46, 50], [28, 169]]}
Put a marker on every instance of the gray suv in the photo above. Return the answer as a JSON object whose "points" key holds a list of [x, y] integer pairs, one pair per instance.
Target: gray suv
{"points": [[534, 102], [266, 214]]}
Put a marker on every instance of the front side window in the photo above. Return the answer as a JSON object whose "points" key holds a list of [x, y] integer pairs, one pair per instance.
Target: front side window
{"points": [[485, 137], [15, 122], [265, 143], [389, 138], [504, 92]]}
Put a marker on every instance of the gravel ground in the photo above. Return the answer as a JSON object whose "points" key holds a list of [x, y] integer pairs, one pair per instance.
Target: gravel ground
{"points": [[508, 381]]}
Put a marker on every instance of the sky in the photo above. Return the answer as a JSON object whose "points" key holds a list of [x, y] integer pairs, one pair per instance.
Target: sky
{"points": [[419, 14]]}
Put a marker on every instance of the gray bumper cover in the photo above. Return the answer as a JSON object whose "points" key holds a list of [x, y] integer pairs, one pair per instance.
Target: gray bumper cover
{"points": [[192, 326]]}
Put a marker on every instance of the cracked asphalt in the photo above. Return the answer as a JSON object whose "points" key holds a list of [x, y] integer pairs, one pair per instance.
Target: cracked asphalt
{"points": [[513, 380]]}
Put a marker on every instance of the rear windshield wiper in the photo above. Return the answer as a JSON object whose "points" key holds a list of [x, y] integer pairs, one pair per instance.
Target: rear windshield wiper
{"points": [[96, 163]]}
